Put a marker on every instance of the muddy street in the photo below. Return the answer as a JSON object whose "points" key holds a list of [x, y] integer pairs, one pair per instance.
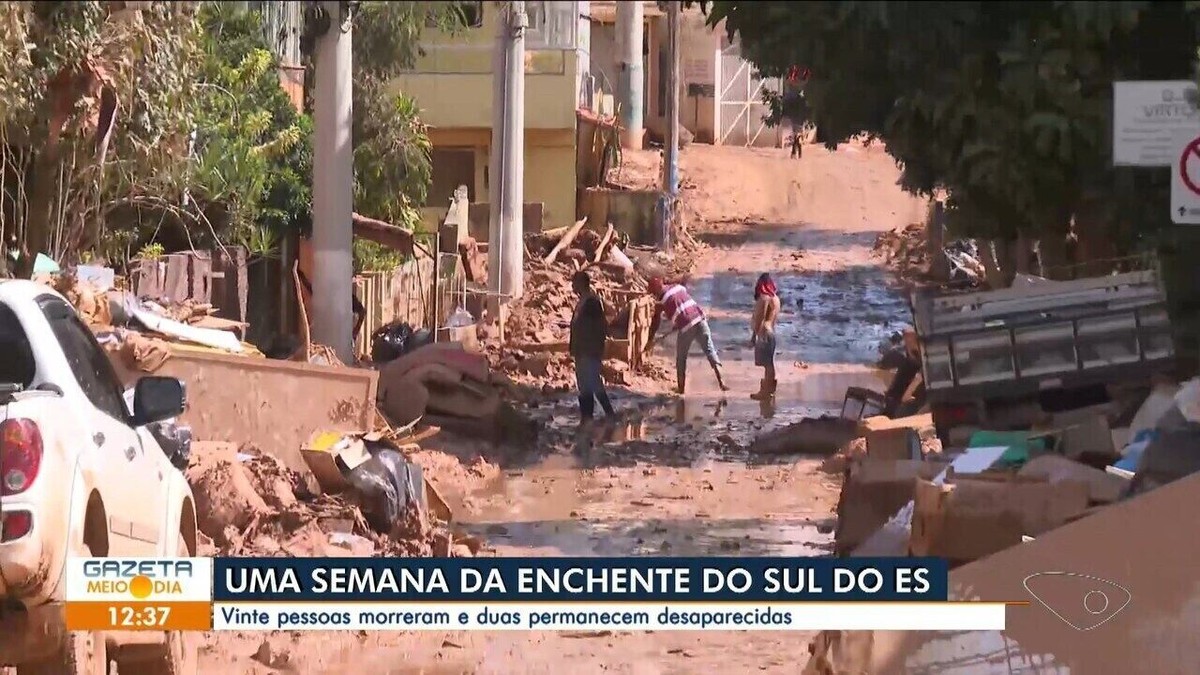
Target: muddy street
{"points": [[673, 477]]}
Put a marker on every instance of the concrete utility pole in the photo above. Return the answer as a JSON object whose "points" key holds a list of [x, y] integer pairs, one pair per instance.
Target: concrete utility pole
{"points": [[495, 161], [630, 30], [333, 187], [671, 149], [507, 259]]}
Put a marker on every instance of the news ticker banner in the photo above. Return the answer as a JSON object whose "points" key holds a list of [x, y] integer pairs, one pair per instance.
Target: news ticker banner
{"points": [[518, 594]]}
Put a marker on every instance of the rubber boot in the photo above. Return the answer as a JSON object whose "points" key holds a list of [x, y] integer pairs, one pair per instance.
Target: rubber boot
{"points": [[766, 390]]}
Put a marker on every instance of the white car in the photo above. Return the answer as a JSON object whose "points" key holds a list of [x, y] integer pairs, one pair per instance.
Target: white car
{"points": [[79, 476]]}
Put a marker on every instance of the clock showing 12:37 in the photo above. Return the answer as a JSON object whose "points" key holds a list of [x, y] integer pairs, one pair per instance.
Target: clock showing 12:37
{"points": [[138, 616]]}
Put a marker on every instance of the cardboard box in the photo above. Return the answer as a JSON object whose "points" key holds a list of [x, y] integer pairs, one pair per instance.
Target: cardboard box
{"points": [[1136, 552], [873, 492], [975, 517], [879, 423], [1084, 433], [900, 443], [327, 452], [1103, 488]]}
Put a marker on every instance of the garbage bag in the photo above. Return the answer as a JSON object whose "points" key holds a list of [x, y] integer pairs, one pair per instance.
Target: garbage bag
{"points": [[174, 439], [420, 338], [1170, 454], [1188, 400], [387, 483], [397, 339], [391, 342]]}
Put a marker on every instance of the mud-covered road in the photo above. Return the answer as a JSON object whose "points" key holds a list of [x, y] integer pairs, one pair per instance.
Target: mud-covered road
{"points": [[673, 478]]}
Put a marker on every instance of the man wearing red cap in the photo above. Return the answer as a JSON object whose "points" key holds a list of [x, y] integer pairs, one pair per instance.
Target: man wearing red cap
{"points": [[686, 317]]}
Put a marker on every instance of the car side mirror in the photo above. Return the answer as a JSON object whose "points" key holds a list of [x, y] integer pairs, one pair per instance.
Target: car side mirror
{"points": [[156, 399]]}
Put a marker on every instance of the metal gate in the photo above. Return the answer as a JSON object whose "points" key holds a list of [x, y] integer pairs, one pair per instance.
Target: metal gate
{"points": [[739, 106]]}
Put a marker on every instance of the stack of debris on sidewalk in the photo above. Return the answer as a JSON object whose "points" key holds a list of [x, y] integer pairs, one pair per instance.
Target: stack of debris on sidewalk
{"points": [[444, 385], [537, 328], [1005, 488], [906, 251], [249, 503], [283, 463]]}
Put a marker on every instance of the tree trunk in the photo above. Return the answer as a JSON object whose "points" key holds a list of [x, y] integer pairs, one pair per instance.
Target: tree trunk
{"points": [[935, 242], [40, 219], [1095, 248], [1022, 254], [1052, 254], [1006, 259], [991, 268]]}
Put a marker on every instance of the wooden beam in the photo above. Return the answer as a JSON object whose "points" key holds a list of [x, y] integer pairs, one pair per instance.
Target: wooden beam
{"points": [[565, 242], [384, 234], [605, 242]]}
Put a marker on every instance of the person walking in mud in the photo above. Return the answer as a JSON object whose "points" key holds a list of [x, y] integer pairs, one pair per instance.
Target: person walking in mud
{"points": [[762, 334], [686, 317], [796, 141], [589, 331]]}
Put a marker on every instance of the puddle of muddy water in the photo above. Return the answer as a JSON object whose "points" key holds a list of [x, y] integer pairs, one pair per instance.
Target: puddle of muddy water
{"points": [[825, 317], [672, 476], [794, 536]]}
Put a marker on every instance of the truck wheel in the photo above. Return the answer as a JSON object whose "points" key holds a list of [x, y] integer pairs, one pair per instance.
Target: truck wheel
{"points": [[178, 655], [79, 654]]}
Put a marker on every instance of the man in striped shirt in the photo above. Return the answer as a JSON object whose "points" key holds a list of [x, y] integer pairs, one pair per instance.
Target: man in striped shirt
{"points": [[686, 317]]}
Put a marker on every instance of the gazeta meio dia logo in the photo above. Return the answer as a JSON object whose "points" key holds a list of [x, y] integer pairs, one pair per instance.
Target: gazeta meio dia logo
{"points": [[140, 579]]}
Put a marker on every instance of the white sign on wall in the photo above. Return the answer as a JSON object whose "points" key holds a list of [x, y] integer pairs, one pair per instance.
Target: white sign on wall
{"points": [[1146, 116], [1185, 178]]}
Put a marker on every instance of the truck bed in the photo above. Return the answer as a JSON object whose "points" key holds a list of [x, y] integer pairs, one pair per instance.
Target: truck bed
{"points": [[1051, 334]]}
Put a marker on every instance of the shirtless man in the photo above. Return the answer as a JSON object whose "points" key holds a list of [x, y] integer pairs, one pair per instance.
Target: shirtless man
{"points": [[762, 334]]}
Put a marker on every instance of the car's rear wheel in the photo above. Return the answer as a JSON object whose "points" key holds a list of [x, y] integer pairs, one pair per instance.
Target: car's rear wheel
{"points": [[177, 655], [81, 653]]}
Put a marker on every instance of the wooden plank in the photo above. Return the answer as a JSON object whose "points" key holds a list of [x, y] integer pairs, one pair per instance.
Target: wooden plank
{"points": [[200, 275], [605, 242], [175, 283], [535, 347], [147, 278], [565, 241]]}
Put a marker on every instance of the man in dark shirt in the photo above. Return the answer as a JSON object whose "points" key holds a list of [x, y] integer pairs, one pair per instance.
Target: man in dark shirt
{"points": [[589, 330]]}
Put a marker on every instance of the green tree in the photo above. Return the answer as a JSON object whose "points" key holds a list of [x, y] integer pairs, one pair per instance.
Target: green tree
{"points": [[94, 112], [391, 147], [252, 167], [1006, 105]]}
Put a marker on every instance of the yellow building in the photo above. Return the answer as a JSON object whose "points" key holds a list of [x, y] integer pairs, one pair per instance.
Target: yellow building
{"points": [[452, 84]]}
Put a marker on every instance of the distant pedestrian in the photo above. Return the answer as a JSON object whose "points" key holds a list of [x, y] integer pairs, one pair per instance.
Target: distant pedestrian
{"points": [[762, 334], [686, 317], [589, 331]]}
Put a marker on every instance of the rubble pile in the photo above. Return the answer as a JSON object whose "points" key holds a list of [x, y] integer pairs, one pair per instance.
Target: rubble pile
{"points": [[259, 489], [904, 250], [543, 314], [537, 329], [249, 504]]}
